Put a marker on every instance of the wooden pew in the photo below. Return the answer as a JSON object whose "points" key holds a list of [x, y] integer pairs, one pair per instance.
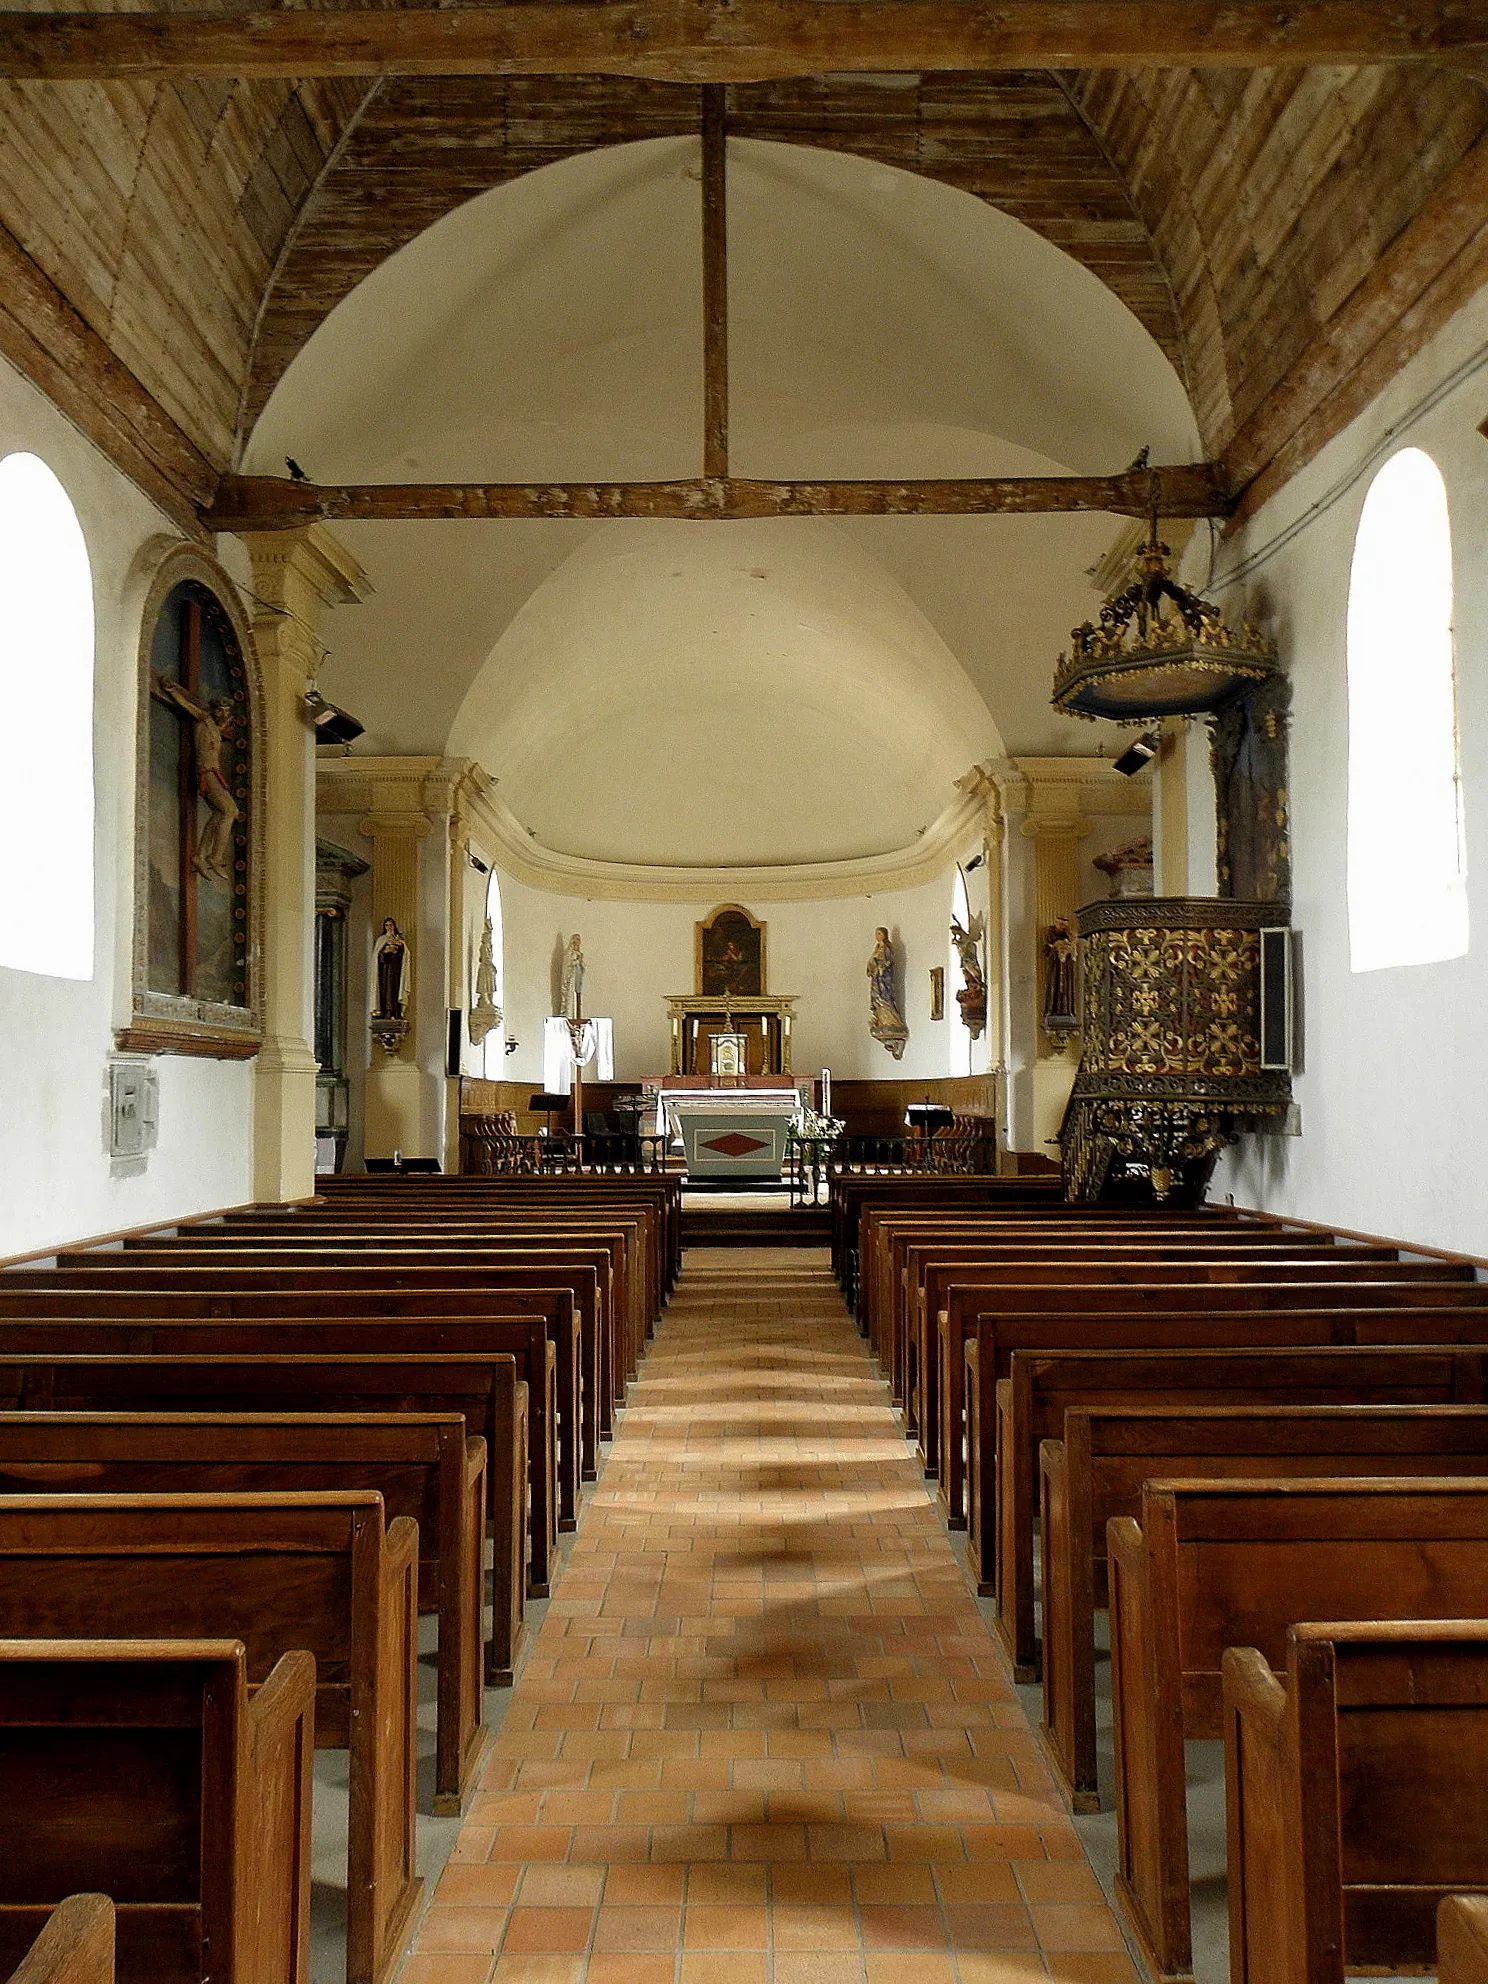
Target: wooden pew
{"points": [[1096, 1472], [888, 1235], [1355, 1788], [496, 1279], [923, 1263], [485, 1392], [619, 1322], [425, 1466], [622, 1232], [279, 1572], [658, 1197], [1462, 1939], [1216, 1564], [1043, 1385], [143, 1769], [1129, 1316], [940, 1283], [360, 1302], [854, 1194], [75, 1945], [525, 1341]]}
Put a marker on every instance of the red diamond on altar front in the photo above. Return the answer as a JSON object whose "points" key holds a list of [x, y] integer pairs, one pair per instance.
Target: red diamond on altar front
{"points": [[734, 1143]]}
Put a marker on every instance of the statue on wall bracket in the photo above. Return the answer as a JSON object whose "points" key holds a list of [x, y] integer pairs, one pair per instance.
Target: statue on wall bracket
{"points": [[1061, 983], [972, 997], [390, 958], [485, 1014], [885, 1020]]}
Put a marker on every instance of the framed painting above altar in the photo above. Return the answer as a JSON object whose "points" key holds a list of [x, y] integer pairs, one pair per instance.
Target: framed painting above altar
{"points": [[730, 954]]}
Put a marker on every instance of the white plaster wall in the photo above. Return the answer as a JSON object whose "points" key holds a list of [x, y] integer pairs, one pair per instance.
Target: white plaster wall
{"points": [[638, 954], [57, 1181], [1394, 1130]]}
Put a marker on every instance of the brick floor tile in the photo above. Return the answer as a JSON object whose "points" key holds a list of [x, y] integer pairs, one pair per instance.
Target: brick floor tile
{"points": [[561, 1887], [548, 1929], [817, 1967], [762, 1735], [477, 1886], [605, 1968], [636, 1929], [476, 1929]]}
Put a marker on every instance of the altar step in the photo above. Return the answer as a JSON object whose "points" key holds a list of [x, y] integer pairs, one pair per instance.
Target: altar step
{"points": [[768, 1226]]}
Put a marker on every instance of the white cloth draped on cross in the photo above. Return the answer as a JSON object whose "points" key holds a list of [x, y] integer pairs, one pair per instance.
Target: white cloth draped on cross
{"points": [[595, 1054]]}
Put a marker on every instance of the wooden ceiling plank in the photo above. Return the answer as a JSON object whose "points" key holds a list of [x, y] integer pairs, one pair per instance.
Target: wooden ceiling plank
{"points": [[253, 503], [722, 41]]}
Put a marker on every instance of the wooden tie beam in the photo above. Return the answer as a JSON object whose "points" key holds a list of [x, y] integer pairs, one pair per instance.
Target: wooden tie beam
{"points": [[735, 41], [260, 503]]}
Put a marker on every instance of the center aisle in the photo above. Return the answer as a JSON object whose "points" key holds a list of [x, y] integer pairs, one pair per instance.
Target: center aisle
{"points": [[764, 1736]]}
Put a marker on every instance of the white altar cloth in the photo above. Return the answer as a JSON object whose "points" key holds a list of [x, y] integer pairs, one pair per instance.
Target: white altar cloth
{"points": [[731, 1133]]}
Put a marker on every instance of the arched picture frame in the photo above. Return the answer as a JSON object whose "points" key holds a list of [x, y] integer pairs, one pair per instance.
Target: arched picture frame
{"points": [[730, 954], [198, 938]]}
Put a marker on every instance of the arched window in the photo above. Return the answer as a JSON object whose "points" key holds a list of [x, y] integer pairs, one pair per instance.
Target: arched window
{"points": [[493, 1047], [46, 726], [960, 1039], [1407, 865]]}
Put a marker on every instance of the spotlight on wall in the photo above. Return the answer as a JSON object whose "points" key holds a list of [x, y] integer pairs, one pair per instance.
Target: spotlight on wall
{"points": [[974, 863], [330, 724], [1136, 757], [512, 1046]]}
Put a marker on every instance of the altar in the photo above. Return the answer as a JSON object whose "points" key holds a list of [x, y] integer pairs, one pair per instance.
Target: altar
{"points": [[734, 1132]]}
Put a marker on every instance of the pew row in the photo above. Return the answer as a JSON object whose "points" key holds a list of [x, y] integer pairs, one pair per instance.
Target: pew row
{"points": [[525, 1341], [1043, 1386], [1355, 1787], [1232, 1319], [948, 1283], [1216, 1564], [146, 1770], [1096, 1473], [122, 1284], [1112, 1306], [484, 1391], [425, 1467], [279, 1572]]}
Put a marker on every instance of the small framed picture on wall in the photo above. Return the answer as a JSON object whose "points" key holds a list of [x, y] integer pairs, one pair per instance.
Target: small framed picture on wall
{"points": [[937, 991]]}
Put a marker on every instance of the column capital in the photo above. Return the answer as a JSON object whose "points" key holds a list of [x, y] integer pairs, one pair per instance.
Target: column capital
{"points": [[394, 826], [314, 558]]}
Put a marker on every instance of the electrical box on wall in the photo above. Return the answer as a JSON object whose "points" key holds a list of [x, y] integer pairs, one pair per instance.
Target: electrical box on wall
{"points": [[134, 1108]]}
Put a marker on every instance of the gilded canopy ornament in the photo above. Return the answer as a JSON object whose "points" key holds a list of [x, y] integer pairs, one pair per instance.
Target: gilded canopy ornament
{"points": [[1159, 651]]}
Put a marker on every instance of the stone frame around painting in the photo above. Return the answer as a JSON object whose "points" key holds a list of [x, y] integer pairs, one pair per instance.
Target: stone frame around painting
{"points": [[174, 1023], [731, 915]]}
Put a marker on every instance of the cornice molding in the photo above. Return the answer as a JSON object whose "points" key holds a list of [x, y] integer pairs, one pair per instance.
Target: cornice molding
{"points": [[1050, 789]]}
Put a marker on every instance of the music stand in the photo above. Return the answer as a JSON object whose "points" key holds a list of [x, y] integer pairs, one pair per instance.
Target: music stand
{"points": [[549, 1106]]}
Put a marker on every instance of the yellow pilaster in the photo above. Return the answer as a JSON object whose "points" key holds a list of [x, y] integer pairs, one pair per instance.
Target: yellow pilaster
{"points": [[297, 577]]}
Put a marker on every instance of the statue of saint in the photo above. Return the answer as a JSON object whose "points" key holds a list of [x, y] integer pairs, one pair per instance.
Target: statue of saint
{"points": [[211, 724], [390, 953], [485, 1014], [571, 995], [972, 997], [885, 1021], [1061, 961]]}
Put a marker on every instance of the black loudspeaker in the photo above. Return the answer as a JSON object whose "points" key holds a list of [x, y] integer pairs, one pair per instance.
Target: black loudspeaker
{"points": [[1276, 998], [452, 1043]]}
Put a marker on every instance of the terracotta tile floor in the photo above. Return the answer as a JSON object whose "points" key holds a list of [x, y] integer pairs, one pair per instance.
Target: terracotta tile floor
{"points": [[763, 1736]]}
